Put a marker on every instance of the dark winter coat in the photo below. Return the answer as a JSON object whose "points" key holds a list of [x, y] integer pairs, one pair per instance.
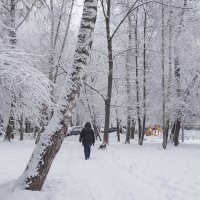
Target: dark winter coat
{"points": [[87, 136]]}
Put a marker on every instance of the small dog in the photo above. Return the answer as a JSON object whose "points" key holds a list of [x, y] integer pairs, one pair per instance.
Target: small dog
{"points": [[102, 146]]}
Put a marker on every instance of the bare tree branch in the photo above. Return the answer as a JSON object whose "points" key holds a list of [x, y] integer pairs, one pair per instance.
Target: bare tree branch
{"points": [[133, 7], [95, 90], [46, 4], [171, 5], [16, 2], [103, 8], [27, 14], [6, 8]]}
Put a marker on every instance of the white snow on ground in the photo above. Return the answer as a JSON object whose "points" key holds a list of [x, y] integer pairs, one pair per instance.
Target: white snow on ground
{"points": [[122, 172]]}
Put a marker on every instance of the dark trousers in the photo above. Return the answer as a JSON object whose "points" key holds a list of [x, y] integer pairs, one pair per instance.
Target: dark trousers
{"points": [[87, 151]]}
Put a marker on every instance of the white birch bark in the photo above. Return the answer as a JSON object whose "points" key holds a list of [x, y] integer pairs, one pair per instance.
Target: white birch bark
{"points": [[128, 85], [42, 157]]}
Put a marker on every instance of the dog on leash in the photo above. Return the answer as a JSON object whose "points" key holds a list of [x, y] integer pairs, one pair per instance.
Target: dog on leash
{"points": [[102, 146]]}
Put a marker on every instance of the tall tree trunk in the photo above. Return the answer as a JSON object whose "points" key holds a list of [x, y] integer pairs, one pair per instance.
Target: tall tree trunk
{"points": [[177, 68], [137, 78], [42, 157], [169, 83], [128, 85], [58, 25], [13, 41], [51, 59], [110, 74], [163, 80], [144, 78]]}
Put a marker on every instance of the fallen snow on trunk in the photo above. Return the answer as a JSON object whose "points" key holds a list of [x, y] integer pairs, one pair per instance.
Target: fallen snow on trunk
{"points": [[122, 172]]}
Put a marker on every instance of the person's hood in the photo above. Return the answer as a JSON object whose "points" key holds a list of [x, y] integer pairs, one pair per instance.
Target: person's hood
{"points": [[88, 125]]}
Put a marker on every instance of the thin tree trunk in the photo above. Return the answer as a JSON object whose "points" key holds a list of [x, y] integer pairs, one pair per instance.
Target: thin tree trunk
{"points": [[110, 74], [137, 78], [96, 127], [12, 32], [58, 25], [167, 130], [133, 128], [51, 59], [64, 41], [169, 84], [177, 68], [13, 41], [182, 131], [42, 157], [128, 85], [176, 132], [144, 78], [118, 130], [21, 129], [163, 80]]}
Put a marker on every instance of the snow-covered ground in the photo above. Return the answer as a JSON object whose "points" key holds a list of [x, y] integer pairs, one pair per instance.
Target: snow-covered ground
{"points": [[122, 172]]}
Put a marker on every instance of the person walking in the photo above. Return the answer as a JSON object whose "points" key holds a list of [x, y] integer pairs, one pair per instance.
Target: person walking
{"points": [[87, 139]]}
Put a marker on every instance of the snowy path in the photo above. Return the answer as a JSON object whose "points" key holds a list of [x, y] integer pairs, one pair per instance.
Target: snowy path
{"points": [[122, 172]]}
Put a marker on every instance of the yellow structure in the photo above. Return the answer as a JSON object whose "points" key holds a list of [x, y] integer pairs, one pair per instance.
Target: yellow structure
{"points": [[153, 130]]}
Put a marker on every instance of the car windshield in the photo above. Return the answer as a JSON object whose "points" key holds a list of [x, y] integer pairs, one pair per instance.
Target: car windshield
{"points": [[77, 128]]}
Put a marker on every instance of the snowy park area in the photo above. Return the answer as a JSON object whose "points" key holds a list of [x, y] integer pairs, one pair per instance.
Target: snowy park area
{"points": [[99, 100], [121, 172]]}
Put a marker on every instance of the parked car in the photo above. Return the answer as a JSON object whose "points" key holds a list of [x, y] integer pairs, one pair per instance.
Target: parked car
{"points": [[111, 129], [114, 129], [74, 130]]}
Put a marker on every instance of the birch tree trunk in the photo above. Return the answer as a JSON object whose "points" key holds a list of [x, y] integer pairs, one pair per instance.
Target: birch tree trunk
{"points": [[137, 78], [178, 76], [58, 25], [128, 85], [144, 77], [13, 41], [50, 142], [169, 83], [51, 59]]}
